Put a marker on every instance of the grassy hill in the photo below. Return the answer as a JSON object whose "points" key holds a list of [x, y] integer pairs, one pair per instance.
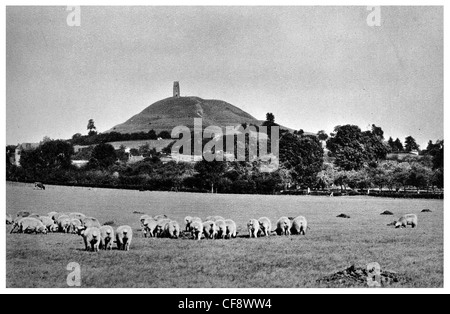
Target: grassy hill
{"points": [[171, 112]]}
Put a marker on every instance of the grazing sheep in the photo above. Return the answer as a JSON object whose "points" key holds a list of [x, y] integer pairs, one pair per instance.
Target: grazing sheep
{"points": [[189, 220], [253, 228], [29, 225], [149, 227], [231, 230], [221, 229], [73, 226], [78, 216], [283, 226], [39, 186], [143, 217], [409, 219], [214, 218], [34, 215], [9, 219], [160, 227], [56, 216], [92, 238], [172, 229], [158, 217], [197, 229], [209, 229], [90, 222], [124, 235], [51, 214], [299, 225], [343, 216], [49, 224], [106, 237], [64, 224], [426, 210], [265, 226]]}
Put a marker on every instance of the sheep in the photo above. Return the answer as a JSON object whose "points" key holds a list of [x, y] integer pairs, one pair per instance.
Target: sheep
{"points": [[29, 225], [56, 216], [49, 224], [106, 237], [150, 227], [78, 216], [160, 227], [34, 215], [172, 229], [209, 229], [159, 217], [214, 218], [299, 225], [221, 229], [92, 238], [231, 229], [253, 228], [265, 226], [73, 226], [197, 229], [90, 222], [124, 235], [283, 226], [404, 221], [51, 214], [9, 219], [189, 220], [143, 217], [64, 224], [61, 218]]}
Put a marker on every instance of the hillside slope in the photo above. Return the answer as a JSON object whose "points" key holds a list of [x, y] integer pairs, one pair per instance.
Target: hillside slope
{"points": [[171, 112]]}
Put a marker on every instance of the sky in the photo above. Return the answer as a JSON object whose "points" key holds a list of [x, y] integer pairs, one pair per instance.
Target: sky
{"points": [[313, 67]]}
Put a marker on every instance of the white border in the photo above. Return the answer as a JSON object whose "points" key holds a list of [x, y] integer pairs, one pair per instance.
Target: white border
{"points": [[212, 291]]}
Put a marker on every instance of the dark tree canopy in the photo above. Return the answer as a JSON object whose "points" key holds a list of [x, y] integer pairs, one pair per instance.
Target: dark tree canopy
{"points": [[104, 155], [410, 144]]}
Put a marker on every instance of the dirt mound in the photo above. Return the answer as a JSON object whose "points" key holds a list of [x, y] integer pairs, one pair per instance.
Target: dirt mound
{"points": [[343, 216], [426, 211], [357, 276], [386, 212]]}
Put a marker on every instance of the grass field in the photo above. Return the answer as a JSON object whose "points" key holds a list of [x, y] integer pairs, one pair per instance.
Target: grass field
{"points": [[332, 244]]}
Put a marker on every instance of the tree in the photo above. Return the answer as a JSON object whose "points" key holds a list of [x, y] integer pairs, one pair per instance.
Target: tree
{"points": [[346, 146], [302, 156], [91, 127], [410, 144], [322, 136], [210, 172], [398, 146], [104, 154], [270, 118], [76, 136], [391, 144]]}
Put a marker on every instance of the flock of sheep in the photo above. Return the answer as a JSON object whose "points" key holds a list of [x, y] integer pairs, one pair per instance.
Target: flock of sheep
{"points": [[97, 236], [217, 227]]}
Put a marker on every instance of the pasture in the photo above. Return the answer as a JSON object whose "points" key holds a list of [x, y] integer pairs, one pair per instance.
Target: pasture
{"points": [[332, 244]]}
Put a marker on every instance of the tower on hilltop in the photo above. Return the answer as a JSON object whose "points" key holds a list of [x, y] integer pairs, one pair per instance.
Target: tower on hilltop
{"points": [[176, 89]]}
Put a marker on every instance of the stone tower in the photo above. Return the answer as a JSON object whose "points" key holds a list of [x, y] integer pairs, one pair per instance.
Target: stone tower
{"points": [[176, 89]]}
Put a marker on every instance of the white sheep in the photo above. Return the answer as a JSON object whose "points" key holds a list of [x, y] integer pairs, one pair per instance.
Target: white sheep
{"points": [[9, 219], [172, 229], [231, 230], [73, 226], [214, 218], [209, 229], [160, 227], [299, 225], [265, 226], [124, 235], [197, 229], [404, 221], [149, 227], [92, 238], [90, 222], [29, 225], [78, 216], [64, 224], [49, 224], [106, 237], [221, 228], [253, 228], [189, 220], [283, 226]]}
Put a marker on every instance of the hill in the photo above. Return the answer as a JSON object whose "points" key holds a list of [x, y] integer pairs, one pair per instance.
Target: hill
{"points": [[168, 113]]}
